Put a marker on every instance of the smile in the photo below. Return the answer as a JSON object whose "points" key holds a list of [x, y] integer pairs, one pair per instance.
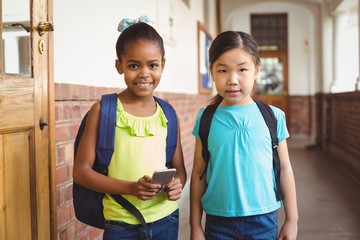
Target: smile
{"points": [[143, 84]]}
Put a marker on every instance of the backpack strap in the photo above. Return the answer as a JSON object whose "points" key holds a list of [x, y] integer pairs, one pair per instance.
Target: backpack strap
{"points": [[131, 208], [172, 129], [271, 123], [105, 147], [106, 131], [204, 130]]}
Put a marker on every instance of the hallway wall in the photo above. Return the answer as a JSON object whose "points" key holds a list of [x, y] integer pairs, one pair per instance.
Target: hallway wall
{"points": [[338, 118], [84, 40]]}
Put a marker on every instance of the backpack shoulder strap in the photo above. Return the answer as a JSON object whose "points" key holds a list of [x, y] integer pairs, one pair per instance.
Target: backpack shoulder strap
{"points": [[105, 146], [80, 133], [271, 123], [204, 129], [106, 131], [172, 129]]}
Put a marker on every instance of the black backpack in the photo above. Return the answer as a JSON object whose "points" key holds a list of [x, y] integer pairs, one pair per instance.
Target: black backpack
{"points": [[271, 122], [88, 203]]}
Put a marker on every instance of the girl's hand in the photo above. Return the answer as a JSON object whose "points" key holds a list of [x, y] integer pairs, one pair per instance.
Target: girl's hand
{"points": [[173, 189], [288, 231], [197, 234], [145, 190]]}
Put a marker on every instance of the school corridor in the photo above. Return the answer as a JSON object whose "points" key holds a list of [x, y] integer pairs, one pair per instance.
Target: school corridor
{"points": [[328, 199]]}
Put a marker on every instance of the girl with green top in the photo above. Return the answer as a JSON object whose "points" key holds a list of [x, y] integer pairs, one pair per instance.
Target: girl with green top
{"points": [[140, 142]]}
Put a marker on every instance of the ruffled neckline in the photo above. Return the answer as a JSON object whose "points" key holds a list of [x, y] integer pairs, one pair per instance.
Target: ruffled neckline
{"points": [[140, 126]]}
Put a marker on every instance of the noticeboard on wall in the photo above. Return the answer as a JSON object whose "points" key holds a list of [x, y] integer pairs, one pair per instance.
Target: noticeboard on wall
{"points": [[204, 41]]}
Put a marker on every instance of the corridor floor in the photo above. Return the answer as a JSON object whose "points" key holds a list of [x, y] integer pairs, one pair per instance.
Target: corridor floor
{"points": [[328, 199]]}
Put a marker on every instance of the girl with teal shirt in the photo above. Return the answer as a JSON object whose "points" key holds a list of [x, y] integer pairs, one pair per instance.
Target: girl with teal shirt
{"points": [[237, 193], [140, 142]]}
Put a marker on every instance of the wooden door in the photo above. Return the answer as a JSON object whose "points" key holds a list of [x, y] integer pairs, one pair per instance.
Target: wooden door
{"points": [[272, 84], [26, 119], [271, 33]]}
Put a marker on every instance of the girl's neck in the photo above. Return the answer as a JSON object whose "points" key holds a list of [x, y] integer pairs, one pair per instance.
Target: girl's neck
{"points": [[138, 106]]}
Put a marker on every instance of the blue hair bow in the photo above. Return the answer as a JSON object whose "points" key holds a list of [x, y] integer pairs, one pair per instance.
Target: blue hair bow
{"points": [[127, 22]]}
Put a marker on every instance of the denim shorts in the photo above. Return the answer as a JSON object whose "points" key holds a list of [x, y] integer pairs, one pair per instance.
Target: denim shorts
{"points": [[258, 227], [163, 229]]}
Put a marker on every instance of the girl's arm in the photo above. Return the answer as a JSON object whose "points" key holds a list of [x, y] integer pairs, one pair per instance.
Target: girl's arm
{"points": [[289, 229], [84, 174], [175, 187], [197, 189]]}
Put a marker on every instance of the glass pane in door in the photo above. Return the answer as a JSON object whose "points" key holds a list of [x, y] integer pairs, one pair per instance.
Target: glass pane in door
{"points": [[271, 78], [16, 41]]}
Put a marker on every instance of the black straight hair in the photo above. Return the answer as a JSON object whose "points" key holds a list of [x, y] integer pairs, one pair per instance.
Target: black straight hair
{"points": [[228, 40]]}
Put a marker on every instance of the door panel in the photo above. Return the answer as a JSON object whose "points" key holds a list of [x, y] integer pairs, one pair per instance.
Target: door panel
{"points": [[16, 175], [26, 158], [272, 85], [17, 97]]}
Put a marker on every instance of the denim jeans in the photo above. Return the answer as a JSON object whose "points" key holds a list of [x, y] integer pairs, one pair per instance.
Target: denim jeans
{"points": [[163, 229], [258, 227]]}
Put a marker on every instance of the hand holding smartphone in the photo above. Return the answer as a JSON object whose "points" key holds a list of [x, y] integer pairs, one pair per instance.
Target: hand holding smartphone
{"points": [[163, 176]]}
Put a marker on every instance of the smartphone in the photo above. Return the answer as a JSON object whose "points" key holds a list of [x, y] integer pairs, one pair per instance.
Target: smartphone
{"points": [[163, 176]]}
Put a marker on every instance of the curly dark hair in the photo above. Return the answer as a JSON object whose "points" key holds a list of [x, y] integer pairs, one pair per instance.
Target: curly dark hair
{"points": [[138, 31]]}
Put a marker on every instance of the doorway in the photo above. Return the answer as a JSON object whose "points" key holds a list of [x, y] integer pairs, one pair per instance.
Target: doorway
{"points": [[26, 124], [270, 32]]}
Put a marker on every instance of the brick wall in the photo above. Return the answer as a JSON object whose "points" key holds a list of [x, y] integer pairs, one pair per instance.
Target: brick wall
{"points": [[339, 118], [71, 104], [302, 115]]}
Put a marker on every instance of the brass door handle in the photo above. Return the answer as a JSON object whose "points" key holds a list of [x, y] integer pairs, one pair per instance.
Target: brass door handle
{"points": [[45, 27], [26, 28]]}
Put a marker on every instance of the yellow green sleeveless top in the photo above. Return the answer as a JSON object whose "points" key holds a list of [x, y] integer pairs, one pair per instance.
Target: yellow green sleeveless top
{"points": [[139, 149]]}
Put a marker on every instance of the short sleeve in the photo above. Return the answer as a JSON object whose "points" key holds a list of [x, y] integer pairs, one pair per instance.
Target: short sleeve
{"points": [[195, 130], [282, 131]]}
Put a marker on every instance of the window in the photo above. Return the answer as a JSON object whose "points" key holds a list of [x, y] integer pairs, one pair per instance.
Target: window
{"points": [[270, 31]]}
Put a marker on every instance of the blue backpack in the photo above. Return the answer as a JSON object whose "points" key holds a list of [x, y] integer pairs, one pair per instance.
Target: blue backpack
{"points": [[88, 203], [271, 123]]}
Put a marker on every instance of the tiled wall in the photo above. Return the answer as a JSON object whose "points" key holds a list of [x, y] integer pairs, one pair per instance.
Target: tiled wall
{"points": [[73, 101]]}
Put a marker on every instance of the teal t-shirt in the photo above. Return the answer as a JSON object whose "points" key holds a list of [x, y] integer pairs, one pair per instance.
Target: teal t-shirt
{"points": [[240, 173]]}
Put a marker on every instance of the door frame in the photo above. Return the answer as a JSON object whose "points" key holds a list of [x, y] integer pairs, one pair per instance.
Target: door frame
{"points": [[51, 116], [42, 11]]}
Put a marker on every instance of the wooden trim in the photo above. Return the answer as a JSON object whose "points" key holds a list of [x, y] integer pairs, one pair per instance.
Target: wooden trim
{"points": [[2, 183], [1, 43], [51, 116], [218, 16], [42, 138]]}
